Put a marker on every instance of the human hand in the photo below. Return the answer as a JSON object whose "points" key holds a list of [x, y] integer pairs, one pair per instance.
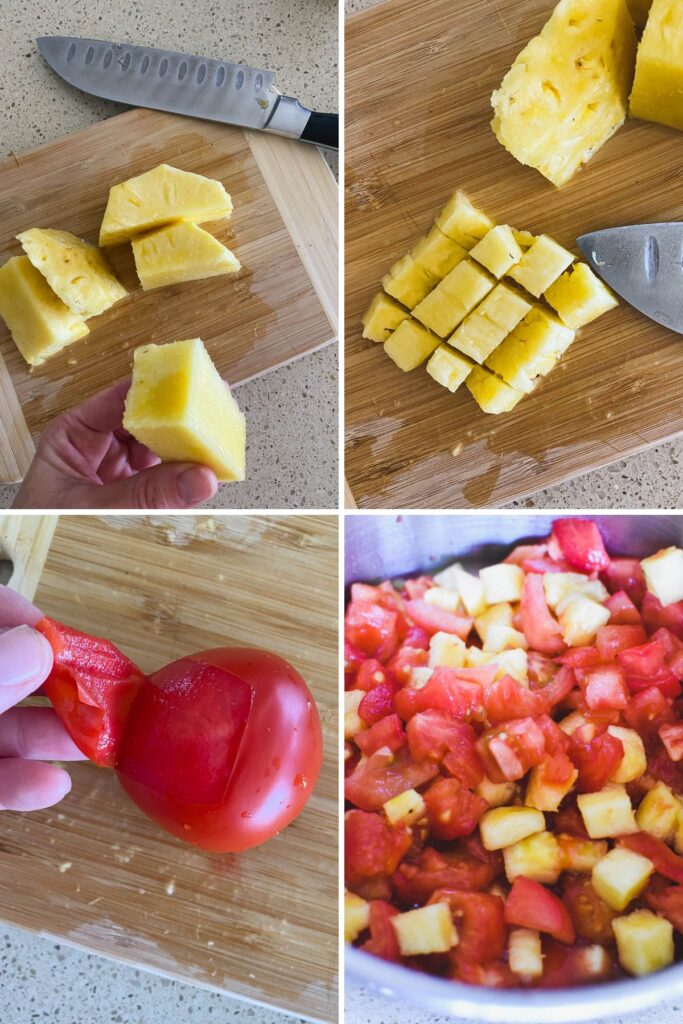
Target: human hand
{"points": [[85, 459], [28, 734]]}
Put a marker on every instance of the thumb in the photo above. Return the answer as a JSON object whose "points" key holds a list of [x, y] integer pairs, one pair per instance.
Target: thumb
{"points": [[25, 663], [169, 485]]}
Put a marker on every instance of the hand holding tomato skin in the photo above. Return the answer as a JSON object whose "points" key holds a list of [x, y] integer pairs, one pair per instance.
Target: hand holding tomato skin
{"points": [[222, 748]]}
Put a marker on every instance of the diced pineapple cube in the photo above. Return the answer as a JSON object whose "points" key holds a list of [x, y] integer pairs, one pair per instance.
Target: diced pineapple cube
{"points": [[426, 930], [496, 615], [448, 577], [496, 794], [545, 795], [580, 297], [607, 813], [353, 723], [503, 826], [620, 876], [408, 282], [524, 239], [492, 394], [537, 857], [382, 316], [178, 253], [634, 761], [580, 855], [405, 808], [524, 954], [541, 265], [448, 650], [470, 588], [453, 298], [644, 942], [512, 663], [437, 254], [581, 619], [659, 812], [420, 676], [448, 368], [498, 250], [505, 307], [484, 329], [410, 345], [572, 722], [531, 350], [462, 221], [562, 587], [502, 638], [502, 582], [658, 83], [356, 916], [664, 575], [440, 597]]}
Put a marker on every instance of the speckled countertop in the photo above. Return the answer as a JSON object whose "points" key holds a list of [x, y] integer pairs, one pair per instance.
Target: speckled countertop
{"points": [[298, 40]]}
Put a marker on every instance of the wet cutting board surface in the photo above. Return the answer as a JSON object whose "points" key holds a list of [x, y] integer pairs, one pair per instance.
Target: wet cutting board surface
{"points": [[419, 76], [94, 871], [281, 305]]}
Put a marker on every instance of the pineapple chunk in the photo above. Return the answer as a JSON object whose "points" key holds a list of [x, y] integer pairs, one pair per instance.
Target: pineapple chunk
{"points": [[503, 582], [664, 575], [437, 254], [537, 857], [462, 221], [639, 11], [504, 638], [504, 826], [620, 876], [634, 761], [580, 297], [659, 812], [658, 85], [496, 794], [410, 345], [420, 676], [453, 298], [353, 723], [426, 930], [580, 855], [179, 406], [581, 619], [484, 329], [498, 250], [524, 239], [469, 587], [159, 197], [492, 394], [541, 265], [408, 282], [544, 795], [561, 588], [531, 350], [512, 663], [448, 577], [495, 615], [39, 322], [572, 722], [645, 942], [382, 316], [567, 92], [178, 253], [448, 650], [77, 272], [607, 813], [405, 808], [448, 368], [524, 954], [440, 597], [356, 916]]}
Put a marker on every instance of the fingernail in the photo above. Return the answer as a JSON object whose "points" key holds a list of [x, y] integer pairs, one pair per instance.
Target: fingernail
{"points": [[194, 485], [25, 656]]}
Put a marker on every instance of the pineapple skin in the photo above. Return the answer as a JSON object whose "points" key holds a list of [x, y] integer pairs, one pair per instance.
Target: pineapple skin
{"points": [[658, 85], [382, 316], [178, 253], [410, 345]]}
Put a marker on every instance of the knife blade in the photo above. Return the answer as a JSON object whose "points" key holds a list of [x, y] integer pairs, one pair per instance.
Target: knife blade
{"points": [[644, 264], [180, 83]]}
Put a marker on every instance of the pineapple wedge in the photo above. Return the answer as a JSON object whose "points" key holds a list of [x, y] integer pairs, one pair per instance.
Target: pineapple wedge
{"points": [[462, 221], [658, 85], [645, 942], [498, 250], [159, 197], [437, 254], [484, 329], [580, 297], [410, 345], [541, 265], [426, 930], [537, 857], [620, 876], [382, 316], [179, 406], [504, 826], [39, 322], [408, 282], [567, 92], [77, 272], [639, 11], [180, 252], [356, 916], [449, 368], [453, 298], [492, 394], [531, 350]]}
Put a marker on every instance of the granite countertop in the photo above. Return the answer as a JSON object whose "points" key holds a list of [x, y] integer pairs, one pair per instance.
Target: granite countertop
{"points": [[298, 40]]}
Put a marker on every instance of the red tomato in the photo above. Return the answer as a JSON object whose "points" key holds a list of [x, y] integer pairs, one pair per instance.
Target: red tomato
{"points": [[541, 669], [538, 624], [371, 673], [447, 689], [353, 659], [668, 903], [626, 574], [377, 703], [494, 974], [666, 862], [530, 905], [510, 750], [559, 687], [524, 552], [415, 883], [565, 966], [388, 732], [596, 758], [436, 620], [609, 640], [660, 766], [371, 629], [568, 820], [416, 589], [604, 687], [592, 917], [371, 846], [506, 699], [622, 610], [655, 615], [453, 809], [645, 666], [581, 544], [405, 660], [437, 736], [646, 710], [672, 737], [384, 775], [478, 917], [580, 657], [383, 941]]}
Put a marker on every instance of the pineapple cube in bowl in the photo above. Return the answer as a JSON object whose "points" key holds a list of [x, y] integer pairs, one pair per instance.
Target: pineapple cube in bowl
{"points": [[607, 813], [180, 252], [504, 826], [491, 393], [537, 857], [541, 265], [525, 954], [620, 876], [644, 942], [449, 368], [462, 221], [484, 329], [408, 282], [410, 345], [658, 85], [382, 316], [453, 298], [664, 574], [498, 250], [356, 916], [659, 812], [426, 930], [580, 297]]}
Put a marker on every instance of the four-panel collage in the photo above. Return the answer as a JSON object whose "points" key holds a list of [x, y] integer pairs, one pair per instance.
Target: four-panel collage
{"points": [[341, 677]]}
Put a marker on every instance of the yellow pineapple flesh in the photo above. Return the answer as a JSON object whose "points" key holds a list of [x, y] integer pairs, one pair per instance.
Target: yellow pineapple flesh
{"points": [[498, 250], [448, 368], [410, 345], [159, 197], [408, 282], [437, 254], [567, 92], [541, 265], [658, 86], [492, 394], [462, 221], [484, 329], [453, 298], [180, 252], [579, 296], [382, 316], [531, 350]]}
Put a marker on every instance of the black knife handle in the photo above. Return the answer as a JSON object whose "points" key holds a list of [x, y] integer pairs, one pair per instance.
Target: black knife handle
{"points": [[322, 130]]}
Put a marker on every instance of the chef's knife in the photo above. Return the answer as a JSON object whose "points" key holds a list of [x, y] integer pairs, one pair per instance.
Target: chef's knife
{"points": [[644, 264], [179, 83]]}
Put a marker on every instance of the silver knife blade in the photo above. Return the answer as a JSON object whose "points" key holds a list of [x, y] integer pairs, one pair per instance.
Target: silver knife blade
{"points": [[179, 83], [644, 264]]}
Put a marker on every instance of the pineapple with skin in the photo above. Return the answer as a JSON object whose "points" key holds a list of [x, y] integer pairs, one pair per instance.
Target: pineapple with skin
{"points": [[541, 265], [658, 85], [567, 92], [498, 250], [410, 345], [382, 316], [178, 253], [462, 221], [531, 350], [437, 254], [491, 393], [484, 329], [160, 197], [449, 368], [580, 297], [77, 272], [453, 298], [408, 282]]}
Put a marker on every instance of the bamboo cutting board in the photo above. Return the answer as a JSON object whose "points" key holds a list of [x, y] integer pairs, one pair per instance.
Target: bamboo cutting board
{"points": [[95, 872], [419, 76], [281, 305]]}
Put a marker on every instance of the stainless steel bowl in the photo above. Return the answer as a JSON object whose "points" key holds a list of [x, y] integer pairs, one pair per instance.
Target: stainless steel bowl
{"points": [[388, 546]]}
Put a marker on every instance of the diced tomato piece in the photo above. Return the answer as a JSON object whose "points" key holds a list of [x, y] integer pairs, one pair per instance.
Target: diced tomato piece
{"points": [[565, 966], [473, 845], [647, 710], [604, 687], [671, 736], [541, 669], [556, 770], [506, 698], [531, 905], [415, 883], [674, 650], [668, 903], [371, 846], [609, 640], [436, 620], [540, 627], [479, 919], [453, 809], [592, 917], [417, 637], [656, 615], [447, 689], [523, 552], [377, 703], [596, 758], [559, 688], [388, 732], [416, 589], [370, 674], [371, 629], [581, 544], [383, 940], [544, 565], [666, 862], [556, 741], [622, 610], [510, 750], [437, 736], [405, 660], [353, 659], [625, 574], [660, 766], [580, 657], [384, 775], [568, 820], [495, 974]]}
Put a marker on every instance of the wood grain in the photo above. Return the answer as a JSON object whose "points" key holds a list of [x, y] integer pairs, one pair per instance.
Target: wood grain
{"points": [[25, 541], [279, 307], [94, 871], [419, 75]]}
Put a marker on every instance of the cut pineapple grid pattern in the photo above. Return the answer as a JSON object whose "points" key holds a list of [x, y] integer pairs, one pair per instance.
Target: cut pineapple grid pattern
{"points": [[446, 303]]}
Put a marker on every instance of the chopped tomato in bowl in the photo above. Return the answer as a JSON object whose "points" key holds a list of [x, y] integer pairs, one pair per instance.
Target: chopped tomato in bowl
{"points": [[514, 767]]}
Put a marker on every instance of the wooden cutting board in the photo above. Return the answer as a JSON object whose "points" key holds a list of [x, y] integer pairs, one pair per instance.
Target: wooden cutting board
{"points": [[93, 871], [419, 76], [281, 305]]}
